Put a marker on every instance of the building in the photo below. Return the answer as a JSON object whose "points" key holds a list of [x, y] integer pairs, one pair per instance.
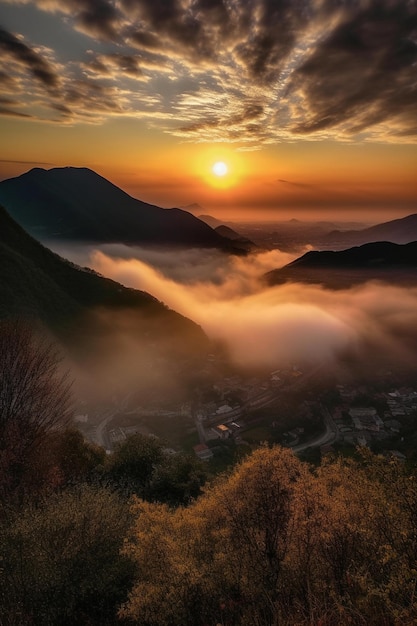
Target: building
{"points": [[203, 452]]}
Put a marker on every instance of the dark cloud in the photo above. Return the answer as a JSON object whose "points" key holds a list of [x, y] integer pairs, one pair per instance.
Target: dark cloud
{"points": [[114, 64], [170, 27], [8, 101], [363, 73], [13, 113], [14, 48], [253, 71], [88, 99], [61, 108], [249, 112], [259, 34], [295, 184], [25, 162], [98, 18], [6, 81], [144, 39], [275, 27]]}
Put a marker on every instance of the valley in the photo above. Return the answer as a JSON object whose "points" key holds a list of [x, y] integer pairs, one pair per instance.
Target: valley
{"points": [[208, 313], [138, 366]]}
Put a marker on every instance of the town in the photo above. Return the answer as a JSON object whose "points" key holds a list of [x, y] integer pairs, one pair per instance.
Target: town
{"points": [[303, 408]]}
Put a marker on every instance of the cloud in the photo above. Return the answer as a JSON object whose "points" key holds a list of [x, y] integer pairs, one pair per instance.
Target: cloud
{"points": [[251, 72], [13, 113], [25, 162], [296, 184], [96, 18], [270, 326], [360, 75], [14, 49]]}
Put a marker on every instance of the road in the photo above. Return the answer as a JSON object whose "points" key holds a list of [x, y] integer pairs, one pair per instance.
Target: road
{"points": [[100, 434], [328, 437]]}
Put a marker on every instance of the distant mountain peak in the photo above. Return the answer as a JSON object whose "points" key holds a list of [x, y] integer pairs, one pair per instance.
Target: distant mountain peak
{"points": [[77, 203], [401, 230], [193, 207], [381, 260]]}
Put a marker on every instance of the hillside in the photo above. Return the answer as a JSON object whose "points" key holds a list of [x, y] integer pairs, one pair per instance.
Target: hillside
{"points": [[78, 204], [238, 240], [385, 261], [36, 283], [213, 222], [403, 230]]}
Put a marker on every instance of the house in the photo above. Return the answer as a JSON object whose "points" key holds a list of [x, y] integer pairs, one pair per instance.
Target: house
{"points": [[222, 431], [225, 408], [203, 452]]}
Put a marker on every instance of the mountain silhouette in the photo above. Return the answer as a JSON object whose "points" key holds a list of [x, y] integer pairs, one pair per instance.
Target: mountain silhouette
{"points": [[402, 230], [79, 204], [238, 240], [38, 285], [384, 260]]}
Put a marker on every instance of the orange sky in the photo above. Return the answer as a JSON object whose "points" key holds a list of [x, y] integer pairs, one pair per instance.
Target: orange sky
{"points": [[308, 124]]}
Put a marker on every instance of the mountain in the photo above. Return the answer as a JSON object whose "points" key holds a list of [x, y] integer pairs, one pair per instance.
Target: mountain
{"points": [[78, 204], [39, 285], [385, 261], [403, 230], [211, 221], [238, 240], [193, 208]]}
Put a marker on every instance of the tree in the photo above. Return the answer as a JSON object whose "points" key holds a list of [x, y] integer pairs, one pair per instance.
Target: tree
{"points": [[275, 543], [133, 463], [66, 458], [34, 399], [61, 562], [178, 480], [222, 559]]}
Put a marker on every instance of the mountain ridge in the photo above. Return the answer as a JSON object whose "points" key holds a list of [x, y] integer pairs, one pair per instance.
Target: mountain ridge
{"points": [[39, 285], [386, 261], [79, 204], [401, 231]]}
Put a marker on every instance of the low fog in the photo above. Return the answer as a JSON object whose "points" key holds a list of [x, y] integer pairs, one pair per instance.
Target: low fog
{"points": [[266, 326]]}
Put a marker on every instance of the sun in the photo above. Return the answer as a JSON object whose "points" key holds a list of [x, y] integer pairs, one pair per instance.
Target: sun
{"points": [[220, 168]]}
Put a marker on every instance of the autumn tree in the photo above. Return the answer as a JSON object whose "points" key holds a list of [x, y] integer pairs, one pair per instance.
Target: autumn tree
{"points": [[277, 543], [223, 559], [61, 561], [67, 458], [34, 399]]}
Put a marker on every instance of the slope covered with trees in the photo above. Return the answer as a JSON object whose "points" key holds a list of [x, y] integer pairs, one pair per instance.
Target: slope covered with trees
{"points": [[37, 284], [276, 543], [145, 538]]}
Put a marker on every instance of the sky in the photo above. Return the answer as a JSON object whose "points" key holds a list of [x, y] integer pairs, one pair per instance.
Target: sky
{"points": [[310, 104]]}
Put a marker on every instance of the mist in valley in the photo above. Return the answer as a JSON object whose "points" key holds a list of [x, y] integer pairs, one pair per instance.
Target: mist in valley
{"points": [[260, 326]]}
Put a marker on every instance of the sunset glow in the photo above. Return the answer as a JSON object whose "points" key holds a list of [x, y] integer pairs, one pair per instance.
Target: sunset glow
{"points": [[305, 128]]}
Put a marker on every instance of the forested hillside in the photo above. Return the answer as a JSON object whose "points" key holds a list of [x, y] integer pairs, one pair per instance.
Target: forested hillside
{"points": [[144, 537]]}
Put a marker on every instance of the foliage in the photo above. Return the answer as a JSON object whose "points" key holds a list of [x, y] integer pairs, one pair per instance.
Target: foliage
{"points": [[273, 542], [61, 562], [66, 458], [133, 463], [34, 401], [277, 542], [141, 465]]}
